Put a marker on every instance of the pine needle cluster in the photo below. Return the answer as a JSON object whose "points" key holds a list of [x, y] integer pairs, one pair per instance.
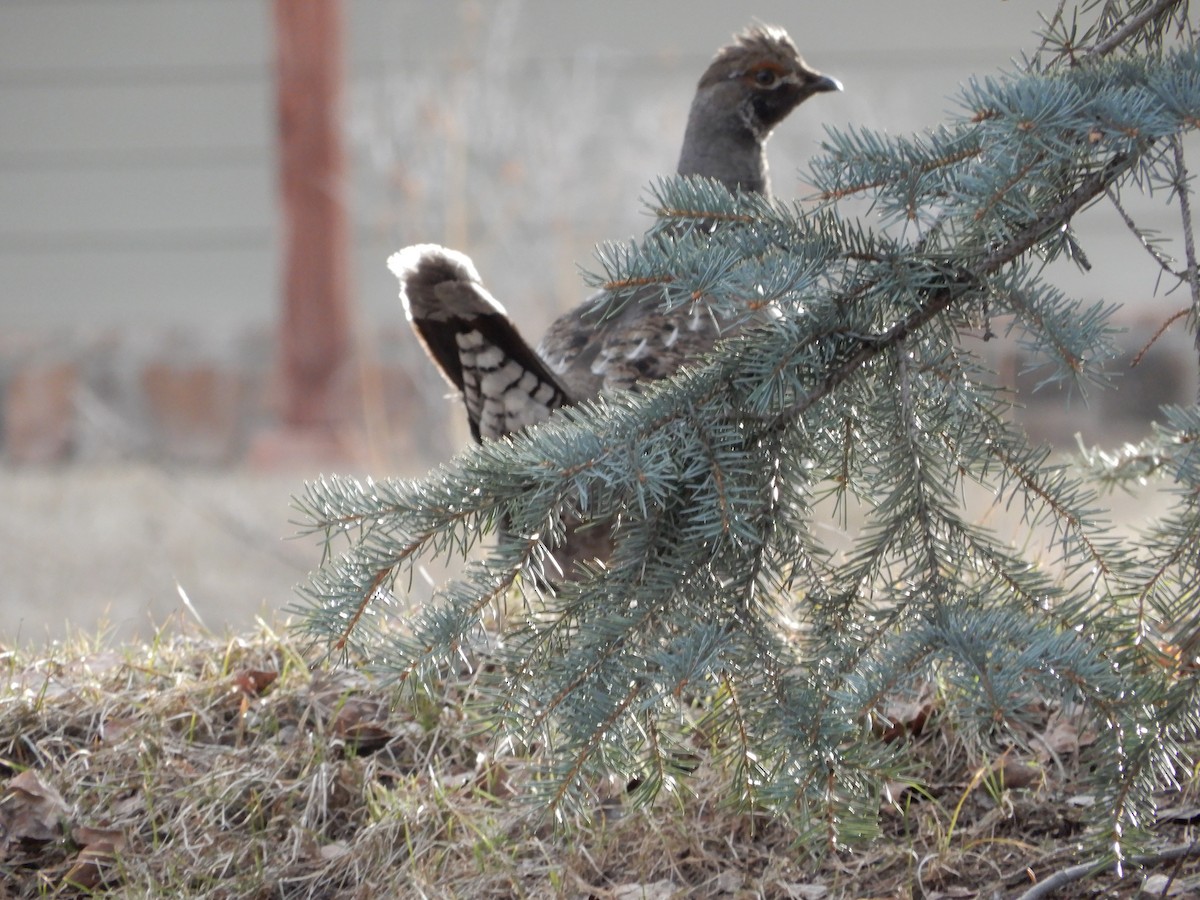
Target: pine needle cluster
{"points": [[727, 625]]}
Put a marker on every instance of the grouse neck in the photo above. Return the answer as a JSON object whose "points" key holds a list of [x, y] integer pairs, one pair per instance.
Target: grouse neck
{"points": [[724, 148]]}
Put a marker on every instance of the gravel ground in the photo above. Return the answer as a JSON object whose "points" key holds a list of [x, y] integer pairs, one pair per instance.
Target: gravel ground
{"points": [[115, 548]]}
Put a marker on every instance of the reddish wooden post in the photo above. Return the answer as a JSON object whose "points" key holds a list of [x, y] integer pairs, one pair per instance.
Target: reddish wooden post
{"points": [[315, 325]]}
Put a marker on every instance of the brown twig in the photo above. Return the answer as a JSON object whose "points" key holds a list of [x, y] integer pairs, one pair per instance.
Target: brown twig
{"points": [[1083, 870], [1137, 360], [940, 163]]}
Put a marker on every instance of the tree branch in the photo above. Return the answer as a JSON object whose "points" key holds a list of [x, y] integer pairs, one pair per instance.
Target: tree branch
{"points": [[942, 298], [1134, 25]]}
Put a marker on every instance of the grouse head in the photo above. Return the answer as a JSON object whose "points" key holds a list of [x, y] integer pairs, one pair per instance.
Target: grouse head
{"points": [[763, 77], [750, 86]]}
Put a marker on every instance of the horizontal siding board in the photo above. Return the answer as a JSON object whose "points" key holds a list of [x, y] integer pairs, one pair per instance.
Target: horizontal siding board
{"points": [[140, 118], [56, 39], [137, 154], [912, 32], [136, 200], [199, 286], [189, 288]]}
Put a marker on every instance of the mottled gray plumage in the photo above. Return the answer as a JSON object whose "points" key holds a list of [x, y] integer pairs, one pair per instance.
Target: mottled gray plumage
{"points": [[750, 87]]}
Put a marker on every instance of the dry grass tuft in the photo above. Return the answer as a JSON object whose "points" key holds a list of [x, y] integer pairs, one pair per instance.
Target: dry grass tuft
{"points": [[203, 767]]}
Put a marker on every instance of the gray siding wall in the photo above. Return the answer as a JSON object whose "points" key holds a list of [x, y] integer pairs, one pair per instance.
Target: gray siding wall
{"points": [[136, 151], [137, 191], [135, 161]]}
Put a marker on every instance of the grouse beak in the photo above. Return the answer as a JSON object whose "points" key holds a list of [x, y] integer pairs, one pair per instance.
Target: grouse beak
{"points": [[825, 83]]}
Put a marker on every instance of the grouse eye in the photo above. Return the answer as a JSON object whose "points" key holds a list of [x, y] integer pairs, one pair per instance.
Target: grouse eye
{"points": [[764, 77]]}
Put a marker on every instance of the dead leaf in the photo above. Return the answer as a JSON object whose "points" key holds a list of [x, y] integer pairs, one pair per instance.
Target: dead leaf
{"points": [[253, 682], [496, 778], [366, 737], [92, 863], [114, 728], [360, 724], [1063, 735], [31, 810], [907, 714], [358, 709], [1019, 774], [893, 794], [85, 836]]}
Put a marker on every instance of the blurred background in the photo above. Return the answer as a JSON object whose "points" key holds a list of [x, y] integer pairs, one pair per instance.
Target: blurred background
{"points": [[197, 199]]}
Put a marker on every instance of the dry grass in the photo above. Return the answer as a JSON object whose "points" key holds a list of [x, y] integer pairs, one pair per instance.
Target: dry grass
{"points": [[204, 767]]}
